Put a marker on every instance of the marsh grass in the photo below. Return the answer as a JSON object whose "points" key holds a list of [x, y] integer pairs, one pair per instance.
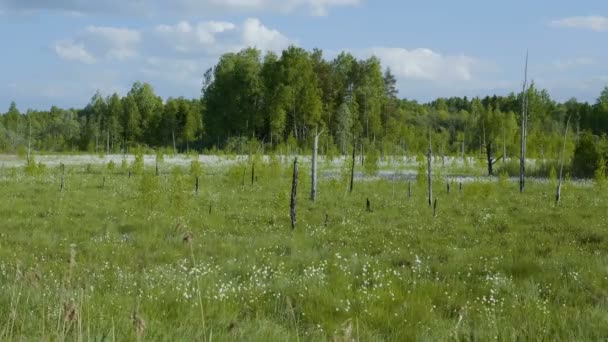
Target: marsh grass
{"points": [[144, 258]]}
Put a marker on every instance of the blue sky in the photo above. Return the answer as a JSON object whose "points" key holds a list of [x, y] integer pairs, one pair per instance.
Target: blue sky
{"points": [[61, 51]]}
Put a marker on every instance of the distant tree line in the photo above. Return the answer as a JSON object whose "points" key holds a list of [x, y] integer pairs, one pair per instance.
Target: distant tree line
{"points": [[278, 102]]}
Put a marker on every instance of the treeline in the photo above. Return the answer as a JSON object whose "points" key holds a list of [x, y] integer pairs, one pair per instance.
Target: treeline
{"points": [[283, 100]]}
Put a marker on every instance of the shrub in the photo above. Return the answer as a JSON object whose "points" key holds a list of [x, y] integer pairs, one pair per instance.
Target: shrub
{"points": [[586, 157], [138, 163], [111, 167], [370, 164]]}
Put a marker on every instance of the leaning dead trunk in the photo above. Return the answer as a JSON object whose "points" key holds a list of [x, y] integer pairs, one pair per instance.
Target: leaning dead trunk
{"points": [[558, 194], [294, 192]]}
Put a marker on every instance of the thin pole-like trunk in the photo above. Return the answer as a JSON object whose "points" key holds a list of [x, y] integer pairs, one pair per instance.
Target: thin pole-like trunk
{"points": [[524, 114], [429, 171], [504, 145], [558, 194], [29, 142], [294, 193], [463, 147], [173, 136], [352, 169], [313, 176], [107, 142]]}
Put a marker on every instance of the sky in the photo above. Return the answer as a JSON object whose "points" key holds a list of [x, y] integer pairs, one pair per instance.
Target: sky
{"points": [[60, 52]]}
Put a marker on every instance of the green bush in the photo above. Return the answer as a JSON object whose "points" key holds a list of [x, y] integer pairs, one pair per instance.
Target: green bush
{"points": [[586, 157]]}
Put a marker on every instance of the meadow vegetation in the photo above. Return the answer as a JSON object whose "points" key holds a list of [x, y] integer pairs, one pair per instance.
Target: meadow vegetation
{"points": [[146, 257]]}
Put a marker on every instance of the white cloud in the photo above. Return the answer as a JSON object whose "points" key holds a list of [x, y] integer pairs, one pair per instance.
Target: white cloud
{"points": [[425, 64], [189, 7], [97, 42], [185, 37], [594, 23], [257, 35], [120, 43], [73, 52], [212, 38]]}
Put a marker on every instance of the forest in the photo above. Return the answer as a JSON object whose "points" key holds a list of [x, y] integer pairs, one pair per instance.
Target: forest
{"points": [[279, 102]]}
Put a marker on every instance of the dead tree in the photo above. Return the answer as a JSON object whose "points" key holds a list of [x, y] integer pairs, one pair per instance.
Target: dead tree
{"points": [[429, 171], [29, 142], [313, 173], [558, 193], [409, 189], [435, 208], [524, 122], [490, 159], [294, 192], [252, 173], [352, 169]]}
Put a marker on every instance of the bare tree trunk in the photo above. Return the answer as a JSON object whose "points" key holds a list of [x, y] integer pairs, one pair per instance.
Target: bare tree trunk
{"points": [[352, 170], [558, 194], [463, 147], [294, 192], [504, 145], [362, 155], [252, 173], [429, 171], [107, 142], [313, 185], [173, 136], [524, 114], [489, 158], [29, 142]]}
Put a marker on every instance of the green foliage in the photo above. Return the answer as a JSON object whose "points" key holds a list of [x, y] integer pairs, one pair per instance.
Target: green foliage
{"points": [[196, 168], [111, 166], [586, 157], [149, 190], [34, 169], [124, 166], [600, 173], [138, 163], [553, 175], [370, 163], [421, 172]]}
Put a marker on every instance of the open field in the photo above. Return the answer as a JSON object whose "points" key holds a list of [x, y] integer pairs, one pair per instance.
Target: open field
{"points": [[145, 257]]}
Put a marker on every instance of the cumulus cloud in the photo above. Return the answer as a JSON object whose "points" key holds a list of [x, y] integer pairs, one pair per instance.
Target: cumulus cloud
{"points": [[425, 64], [217, 37], [71, 51], [186, 37], [97, 42], [594, 23], [257, 35], [190, 7], [118, 43]]}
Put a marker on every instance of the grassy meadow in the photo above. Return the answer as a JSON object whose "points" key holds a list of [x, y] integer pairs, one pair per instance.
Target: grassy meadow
{"points": [[113, 257]]}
